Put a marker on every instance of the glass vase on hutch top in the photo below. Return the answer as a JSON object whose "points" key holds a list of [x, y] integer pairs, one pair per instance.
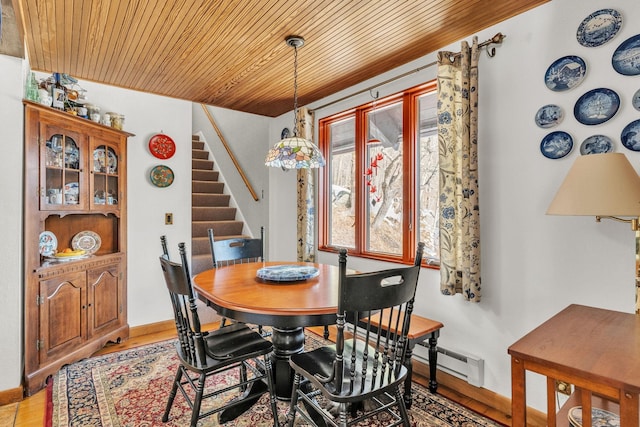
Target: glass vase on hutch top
{"points": [[63, 180]]}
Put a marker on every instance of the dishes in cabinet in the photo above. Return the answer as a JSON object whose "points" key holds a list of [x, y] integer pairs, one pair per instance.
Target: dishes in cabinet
{"points": [[71, 154], [88, 241], [68, 256], [162, 146], [104, 160], [599, 27], [48, 243], [161, 176]]}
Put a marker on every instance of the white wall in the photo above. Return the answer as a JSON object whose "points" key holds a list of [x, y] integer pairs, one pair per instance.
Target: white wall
{"points": [[11, 137], [533, 265]]}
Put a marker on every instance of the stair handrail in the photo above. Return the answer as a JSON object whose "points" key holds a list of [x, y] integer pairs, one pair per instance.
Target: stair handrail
{"points": [[233, 157]]}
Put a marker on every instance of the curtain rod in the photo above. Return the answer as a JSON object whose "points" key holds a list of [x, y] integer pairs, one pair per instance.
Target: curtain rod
{"points": [[497, 39]]}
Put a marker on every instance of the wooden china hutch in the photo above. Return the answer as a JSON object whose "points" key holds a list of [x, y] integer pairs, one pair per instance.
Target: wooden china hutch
{"points": [[75, 240]]}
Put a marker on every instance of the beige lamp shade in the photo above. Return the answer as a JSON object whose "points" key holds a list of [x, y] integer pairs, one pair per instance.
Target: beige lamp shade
{"points": [[599, 185]]}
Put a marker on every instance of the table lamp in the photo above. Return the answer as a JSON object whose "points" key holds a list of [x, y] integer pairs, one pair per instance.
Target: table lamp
{"points": [[604, 186]]}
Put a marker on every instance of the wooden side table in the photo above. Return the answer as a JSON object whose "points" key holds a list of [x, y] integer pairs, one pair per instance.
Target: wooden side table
{"points": [[596, 350]]}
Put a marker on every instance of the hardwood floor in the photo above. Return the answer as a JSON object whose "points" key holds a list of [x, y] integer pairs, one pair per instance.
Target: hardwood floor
{"points": [[31, 411]]}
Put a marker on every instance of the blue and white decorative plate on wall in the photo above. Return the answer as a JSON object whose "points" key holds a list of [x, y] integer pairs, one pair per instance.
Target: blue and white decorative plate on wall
{"points": [[596, 144], [549, 116], [635, 101], [596, 106], [565, 73], [626, 58], [287, 273], [556, 145], [630, 136], [599, 27]]}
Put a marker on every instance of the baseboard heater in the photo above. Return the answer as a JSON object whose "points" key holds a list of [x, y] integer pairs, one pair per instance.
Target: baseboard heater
{"points": [[464, 366]]}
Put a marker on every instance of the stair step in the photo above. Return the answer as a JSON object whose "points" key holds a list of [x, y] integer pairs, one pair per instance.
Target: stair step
{"points": [[213, 213], [201, 164], [203, 199], [220, 228], [197, 145], [199, 154], [200, 263], [207, 187], [200, 175]]}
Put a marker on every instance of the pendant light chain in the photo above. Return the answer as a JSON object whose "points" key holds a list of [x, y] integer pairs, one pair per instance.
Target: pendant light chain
{"points": [[295, 91]]}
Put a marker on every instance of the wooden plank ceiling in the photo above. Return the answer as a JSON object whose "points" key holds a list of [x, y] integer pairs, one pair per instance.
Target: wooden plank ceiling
{"points": [[232, 53]]}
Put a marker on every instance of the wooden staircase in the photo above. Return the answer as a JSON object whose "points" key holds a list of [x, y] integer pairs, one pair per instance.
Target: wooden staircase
{"points": [[210, 208]]}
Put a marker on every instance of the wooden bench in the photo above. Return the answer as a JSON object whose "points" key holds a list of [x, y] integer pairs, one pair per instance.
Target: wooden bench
{"points": [[420, 330]]}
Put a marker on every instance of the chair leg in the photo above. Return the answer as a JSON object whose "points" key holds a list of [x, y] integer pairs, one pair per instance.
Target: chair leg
{"points": [[197, 401], [291, 415], [342, 418], [401, 406], [268, 369], [172, 394]]}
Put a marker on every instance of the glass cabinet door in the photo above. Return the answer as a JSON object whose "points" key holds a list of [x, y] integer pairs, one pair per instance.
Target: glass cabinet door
{"points": [[62, 182], [104, 170]]}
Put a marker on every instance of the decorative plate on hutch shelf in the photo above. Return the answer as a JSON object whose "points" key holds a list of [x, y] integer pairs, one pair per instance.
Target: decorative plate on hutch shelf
{"points": [[104, 162], [86, 240], [48, 243], [162, 146]]}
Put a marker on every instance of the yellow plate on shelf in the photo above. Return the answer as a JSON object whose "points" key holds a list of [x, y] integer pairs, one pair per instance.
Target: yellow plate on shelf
{"points": [[68, 254]]}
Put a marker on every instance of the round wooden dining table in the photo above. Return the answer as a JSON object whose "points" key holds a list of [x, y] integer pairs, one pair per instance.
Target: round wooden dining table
{"points": [[236, 292]]}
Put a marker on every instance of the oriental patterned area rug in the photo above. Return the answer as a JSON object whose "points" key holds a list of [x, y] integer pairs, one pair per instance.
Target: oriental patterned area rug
{"points": [[130, 388]]}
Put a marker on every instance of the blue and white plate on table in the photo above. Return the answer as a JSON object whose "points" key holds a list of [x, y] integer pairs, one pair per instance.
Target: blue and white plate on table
{"points": [[596, 144], [626, 58], [599, 27], [556, 145], [549, 116], [565, 73], [596, 106], [287, 273], [630, 136]]}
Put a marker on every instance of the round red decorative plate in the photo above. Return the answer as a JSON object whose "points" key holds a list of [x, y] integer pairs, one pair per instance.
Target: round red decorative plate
{"points": [[162, 146]]}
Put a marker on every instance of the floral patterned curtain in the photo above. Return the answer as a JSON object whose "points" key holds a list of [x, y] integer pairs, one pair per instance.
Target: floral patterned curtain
{"points": [[458, 147], [306, 195]]}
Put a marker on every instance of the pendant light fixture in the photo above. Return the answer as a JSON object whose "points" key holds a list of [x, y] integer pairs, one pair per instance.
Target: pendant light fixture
{"points": [[295, 152]]}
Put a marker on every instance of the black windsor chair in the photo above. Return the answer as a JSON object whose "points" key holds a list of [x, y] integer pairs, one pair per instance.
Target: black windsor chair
{"points": [[361, 365], [203, 355]]}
